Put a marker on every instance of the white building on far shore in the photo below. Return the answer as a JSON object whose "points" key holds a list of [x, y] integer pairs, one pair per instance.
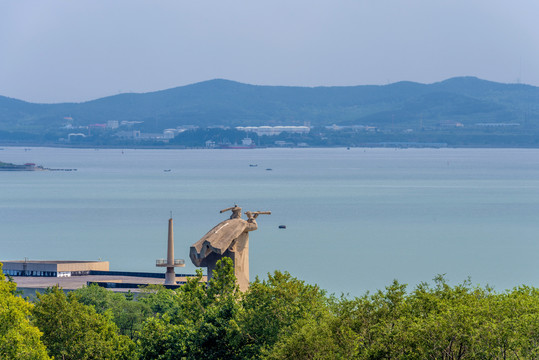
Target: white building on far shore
{"points": [[274, 130]]}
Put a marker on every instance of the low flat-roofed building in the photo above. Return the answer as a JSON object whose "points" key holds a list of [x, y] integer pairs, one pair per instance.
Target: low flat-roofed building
{"points": [[37, 276], [52, 268]]}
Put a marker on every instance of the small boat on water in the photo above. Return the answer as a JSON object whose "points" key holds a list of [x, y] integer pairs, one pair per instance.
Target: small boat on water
{"points": [[269, 169], [167, 170], [253, 165], [282, 226]]}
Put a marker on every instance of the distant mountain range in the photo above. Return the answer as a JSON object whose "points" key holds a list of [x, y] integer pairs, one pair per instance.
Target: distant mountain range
{"points": [[466, 100]]}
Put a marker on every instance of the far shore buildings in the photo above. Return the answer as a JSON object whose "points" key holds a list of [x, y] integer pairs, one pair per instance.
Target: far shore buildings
{"points": [[274, 130]]}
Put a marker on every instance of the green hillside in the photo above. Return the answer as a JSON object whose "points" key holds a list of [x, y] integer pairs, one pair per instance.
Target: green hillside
{"points": [[222, 102]]}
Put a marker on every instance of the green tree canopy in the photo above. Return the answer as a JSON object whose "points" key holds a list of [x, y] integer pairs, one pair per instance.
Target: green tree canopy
{"points": [[272, 307], [126, 313], [72, 330], [19, 339]]}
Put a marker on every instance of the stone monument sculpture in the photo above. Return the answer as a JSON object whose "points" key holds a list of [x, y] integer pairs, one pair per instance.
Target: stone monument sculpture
{"points": [[229, 238]]}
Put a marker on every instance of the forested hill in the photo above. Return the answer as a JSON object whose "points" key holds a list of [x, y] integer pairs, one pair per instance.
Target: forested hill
{"points": [[467, 100]]}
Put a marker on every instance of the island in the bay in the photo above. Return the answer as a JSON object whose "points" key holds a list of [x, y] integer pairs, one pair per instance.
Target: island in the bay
{"points": [[24, 167]]}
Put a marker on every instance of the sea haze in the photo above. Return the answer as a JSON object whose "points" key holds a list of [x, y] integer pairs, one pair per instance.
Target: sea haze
{"points": [[356, 219]]}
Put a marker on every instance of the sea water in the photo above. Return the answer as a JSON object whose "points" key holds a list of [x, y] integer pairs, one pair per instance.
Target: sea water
{"points": [[355, 219]]}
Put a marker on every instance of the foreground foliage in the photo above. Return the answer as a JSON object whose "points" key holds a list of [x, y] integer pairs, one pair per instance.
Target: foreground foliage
{"points": [[280, 317], [19, 339], [72, 330]]}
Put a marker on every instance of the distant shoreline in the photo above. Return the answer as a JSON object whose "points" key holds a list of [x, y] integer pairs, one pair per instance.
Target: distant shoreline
{"points": [[180, 147]]}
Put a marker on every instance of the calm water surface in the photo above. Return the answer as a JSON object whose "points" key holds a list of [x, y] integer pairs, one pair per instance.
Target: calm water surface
{"points": [[356, 219]]}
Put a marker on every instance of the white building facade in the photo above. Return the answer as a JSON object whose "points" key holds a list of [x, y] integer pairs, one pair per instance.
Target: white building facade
{"points": [[274, 130]]}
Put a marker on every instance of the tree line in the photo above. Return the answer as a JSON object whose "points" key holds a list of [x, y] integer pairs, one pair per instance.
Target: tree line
{"points": [[280, 317]]}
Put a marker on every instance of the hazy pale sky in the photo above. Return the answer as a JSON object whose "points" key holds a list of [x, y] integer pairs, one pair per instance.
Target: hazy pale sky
{"points": [[60, 50]]}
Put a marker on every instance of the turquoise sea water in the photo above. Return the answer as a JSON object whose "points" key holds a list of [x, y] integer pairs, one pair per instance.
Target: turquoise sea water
{"points": [[356, 219]]}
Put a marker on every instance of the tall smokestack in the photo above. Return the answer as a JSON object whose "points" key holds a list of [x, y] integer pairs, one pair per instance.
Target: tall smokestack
{"points": [[170, 263], [170, 276]]}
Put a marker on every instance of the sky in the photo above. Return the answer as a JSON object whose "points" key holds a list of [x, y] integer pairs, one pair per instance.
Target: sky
{"points": [[72, 51]]}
